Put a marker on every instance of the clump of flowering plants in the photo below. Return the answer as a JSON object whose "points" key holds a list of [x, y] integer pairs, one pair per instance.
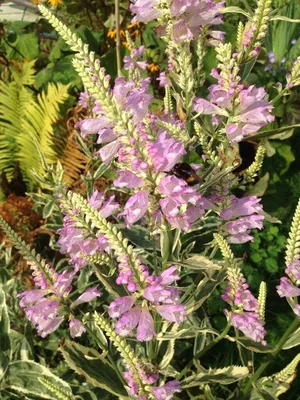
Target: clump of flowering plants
{"points": [[154, 273]]}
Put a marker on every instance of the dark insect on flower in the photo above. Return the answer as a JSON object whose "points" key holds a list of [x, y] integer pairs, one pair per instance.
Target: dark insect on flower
{"points": [[247, 152], [186, 172]]}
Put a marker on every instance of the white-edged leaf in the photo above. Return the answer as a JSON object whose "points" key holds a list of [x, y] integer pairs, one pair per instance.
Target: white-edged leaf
{"points": [[235, 10], [22, 376], [223, 376], [94, 367]]}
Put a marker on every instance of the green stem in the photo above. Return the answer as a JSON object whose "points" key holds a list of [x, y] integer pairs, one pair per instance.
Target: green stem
{"points": [[104, 282], [118, 36], [282, 93], [204, 351], [264, 365]]}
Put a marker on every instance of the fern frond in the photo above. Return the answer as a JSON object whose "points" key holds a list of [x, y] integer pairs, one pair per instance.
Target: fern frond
{"points": [[293, 243], [73, 161], [14, 101], [26, 121], [59, 393], [24, 73]]}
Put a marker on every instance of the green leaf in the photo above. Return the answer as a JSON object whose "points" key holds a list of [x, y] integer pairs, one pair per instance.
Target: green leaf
{"points": [[4, 324], [198, 262], [100, 170], [22, 376], [273, 132], [4, 363], [235, 10], [260, 187], [47, 211], [25, 46], [271, 265], [251, 345], [293, 340], [94, 367], [247, 68], [286, 19], [204, 290], [223, 376]]}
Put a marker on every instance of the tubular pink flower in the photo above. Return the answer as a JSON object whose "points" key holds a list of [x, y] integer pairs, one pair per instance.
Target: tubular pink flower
{"points": [[76, 328], [135, 208]]}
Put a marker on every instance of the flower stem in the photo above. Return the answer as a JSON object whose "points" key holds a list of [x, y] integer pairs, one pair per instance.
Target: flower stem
{"points": [[118, 37], [278, 348], [205, 350]]}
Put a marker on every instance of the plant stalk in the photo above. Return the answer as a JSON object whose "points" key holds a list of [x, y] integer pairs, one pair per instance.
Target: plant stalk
{"points": [[205, 350], [118, 36]]}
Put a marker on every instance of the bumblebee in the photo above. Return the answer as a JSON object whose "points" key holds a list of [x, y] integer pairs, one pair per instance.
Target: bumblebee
{"points": [[247, 152], [186, 172]]}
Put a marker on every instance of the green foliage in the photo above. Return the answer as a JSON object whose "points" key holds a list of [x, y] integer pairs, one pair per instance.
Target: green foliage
{"points": [[93, 366], [24, 117]]}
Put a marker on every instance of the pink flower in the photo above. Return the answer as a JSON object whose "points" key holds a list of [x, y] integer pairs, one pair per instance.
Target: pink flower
{"points": [[44, 316], [172, 312], [145, 330], [87, 296], [166, 391], [135, 208], [239, 229], [63, 283], [120, 306], [76, 328], [181, 32], [128, 322], [171, 185], [96, 199], [127, 179], [241, 207], [287, 289], [145, 10], [203, 106], [247, 300], [168, 276], [109, 207], [138, 102], [109, 151], [93, 125], [250, 324], [293, 270], [166, 152], [159, 293], [31, 296], [163, 80]]}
